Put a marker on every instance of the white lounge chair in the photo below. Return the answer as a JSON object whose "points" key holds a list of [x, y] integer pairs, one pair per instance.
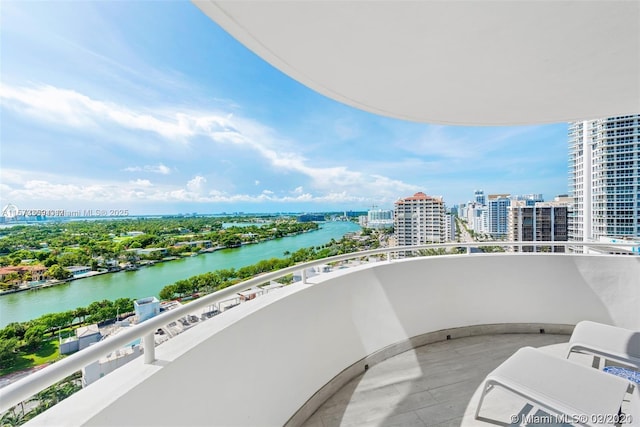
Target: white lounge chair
{"points": [[606, 341], [560, 386]]}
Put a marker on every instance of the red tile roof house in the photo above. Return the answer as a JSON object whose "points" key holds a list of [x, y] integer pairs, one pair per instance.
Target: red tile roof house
{"points": [[38, 272]]}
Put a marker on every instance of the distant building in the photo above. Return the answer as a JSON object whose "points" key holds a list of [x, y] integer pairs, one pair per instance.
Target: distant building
{"points": [[69, 345], [195, 243], [380, 218], [419, 219], [149, 251], [604, 178], [450, 227], [542, 222], [98, 369], [497, 207], [146, 308], [38, 272], [87, 335], [477, 217], [310, 217], [529, 199], [478, 197], [78, 270]]}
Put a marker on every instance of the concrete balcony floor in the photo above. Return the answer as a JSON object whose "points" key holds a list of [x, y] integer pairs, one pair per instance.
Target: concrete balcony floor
{"points": [[433, 385]]}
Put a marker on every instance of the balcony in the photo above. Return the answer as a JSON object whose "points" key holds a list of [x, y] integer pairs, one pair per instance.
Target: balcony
{"points": [[432, 384], [277, 358]]}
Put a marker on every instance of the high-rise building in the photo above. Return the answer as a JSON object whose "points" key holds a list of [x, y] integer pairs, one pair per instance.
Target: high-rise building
{"points": [[380, 218], [542, 222], [478, 197], [419, 219], [604, 178], [477, 217], [497, 207], [529, 199], [450, 227]]}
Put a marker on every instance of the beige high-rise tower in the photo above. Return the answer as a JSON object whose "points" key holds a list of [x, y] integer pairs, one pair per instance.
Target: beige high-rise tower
{"points": [[419, 219]]}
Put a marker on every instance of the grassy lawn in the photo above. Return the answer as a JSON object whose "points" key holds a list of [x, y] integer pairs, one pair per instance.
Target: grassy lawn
{"points": [[48, 352]]}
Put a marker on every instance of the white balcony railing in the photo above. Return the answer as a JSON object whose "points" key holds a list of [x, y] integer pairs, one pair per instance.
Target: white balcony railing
{"points": [[34, 383]]}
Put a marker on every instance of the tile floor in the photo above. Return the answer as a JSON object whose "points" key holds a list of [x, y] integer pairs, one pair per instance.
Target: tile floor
{"points": [[434, 385]]}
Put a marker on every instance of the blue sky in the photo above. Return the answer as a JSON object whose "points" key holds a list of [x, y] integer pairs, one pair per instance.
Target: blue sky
{"points": [[151, 107]]}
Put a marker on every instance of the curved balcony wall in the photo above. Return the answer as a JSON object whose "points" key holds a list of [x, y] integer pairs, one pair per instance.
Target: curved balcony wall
{"points": [[260, 362]]}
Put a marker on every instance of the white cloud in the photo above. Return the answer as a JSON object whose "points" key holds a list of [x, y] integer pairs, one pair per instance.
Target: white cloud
{"points": [[73, 109], [77, 110], [256, 182], [141, 183], [159, 168], [53, 192], [196, 185]]}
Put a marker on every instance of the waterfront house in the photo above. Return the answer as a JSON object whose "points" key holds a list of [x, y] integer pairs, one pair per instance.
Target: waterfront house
{"points": [[78, 270], [38, 272]]}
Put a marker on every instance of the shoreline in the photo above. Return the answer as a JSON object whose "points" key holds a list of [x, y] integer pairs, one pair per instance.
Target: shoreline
{"points": [[146, 263]]}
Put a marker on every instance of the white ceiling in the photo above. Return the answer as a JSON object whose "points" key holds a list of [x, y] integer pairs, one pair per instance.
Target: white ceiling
{"points": [[452, 62]]}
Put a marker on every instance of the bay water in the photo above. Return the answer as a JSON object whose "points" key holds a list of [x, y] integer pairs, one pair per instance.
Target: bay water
{"points": [[148, 281]]}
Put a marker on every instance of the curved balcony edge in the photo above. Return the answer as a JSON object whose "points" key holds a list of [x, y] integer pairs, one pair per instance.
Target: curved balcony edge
{"points": [[299, 338]]}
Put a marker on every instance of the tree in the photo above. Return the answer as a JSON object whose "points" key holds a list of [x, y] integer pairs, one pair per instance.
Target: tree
{"points": [[12, 277], [80, 313], [62, 319], [34, 336], [13, 330], [50, 261], [167, 293], [123, 305], [230, 241], [57, 272], [8, 354]]}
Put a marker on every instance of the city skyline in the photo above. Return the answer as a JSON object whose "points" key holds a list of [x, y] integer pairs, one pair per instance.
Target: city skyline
{"points": [[157, 110]]}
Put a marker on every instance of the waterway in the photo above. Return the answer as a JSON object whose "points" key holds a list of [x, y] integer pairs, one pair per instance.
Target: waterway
{"points": [[148, 281]]}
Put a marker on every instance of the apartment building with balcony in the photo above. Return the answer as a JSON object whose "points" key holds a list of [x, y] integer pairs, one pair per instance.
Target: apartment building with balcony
{"points": [[540, 222], [604, 178], [420, 219], [497, 209], [379, 218]]}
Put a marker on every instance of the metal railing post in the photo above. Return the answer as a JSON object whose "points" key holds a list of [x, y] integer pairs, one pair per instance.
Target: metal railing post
{"points": [[149, 345]]}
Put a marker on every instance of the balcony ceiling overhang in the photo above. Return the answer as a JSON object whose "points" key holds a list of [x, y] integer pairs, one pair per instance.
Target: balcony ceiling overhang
{"points": [[452, 62]]}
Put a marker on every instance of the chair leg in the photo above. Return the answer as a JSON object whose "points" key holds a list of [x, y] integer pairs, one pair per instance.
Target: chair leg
{"points": [[488, 385]]}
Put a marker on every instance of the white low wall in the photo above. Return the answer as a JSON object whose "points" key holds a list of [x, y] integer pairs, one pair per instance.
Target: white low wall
{"points": [[258, 364]]}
